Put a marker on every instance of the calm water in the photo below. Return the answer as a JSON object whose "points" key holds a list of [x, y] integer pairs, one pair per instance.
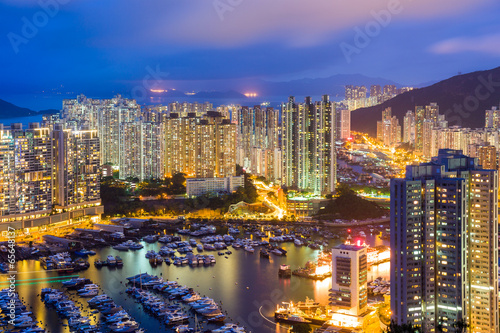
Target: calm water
{"points": [[243, 284]]}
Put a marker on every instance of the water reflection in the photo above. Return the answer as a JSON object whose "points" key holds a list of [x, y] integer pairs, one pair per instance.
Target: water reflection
{"points": [[245, 284]]}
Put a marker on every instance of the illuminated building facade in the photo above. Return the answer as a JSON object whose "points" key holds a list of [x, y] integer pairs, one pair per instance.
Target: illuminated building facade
{"points": [[409, 128], [200, 147], [47, 176], [492, 118], [76, 167], [142, 150], [388, 129], [349, 279], [258, 141], [444, 244], [308, 145], [488, 157], [200, 186]]}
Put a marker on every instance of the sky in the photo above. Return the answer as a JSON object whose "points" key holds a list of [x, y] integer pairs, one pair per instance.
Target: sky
{"points": [[104, 47]]}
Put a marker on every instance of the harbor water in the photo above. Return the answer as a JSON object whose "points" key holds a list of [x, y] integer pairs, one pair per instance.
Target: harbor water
{"points": [[246, 286]]}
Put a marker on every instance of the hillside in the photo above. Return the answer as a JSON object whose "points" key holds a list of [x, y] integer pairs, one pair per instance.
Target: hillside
{"points": [[9, 110], [462, 98]]}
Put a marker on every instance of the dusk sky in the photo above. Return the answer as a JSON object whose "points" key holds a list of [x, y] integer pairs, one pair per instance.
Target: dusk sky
{"points": [[104, 46]]}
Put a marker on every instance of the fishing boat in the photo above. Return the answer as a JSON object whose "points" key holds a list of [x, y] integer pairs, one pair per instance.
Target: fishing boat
{"points": [[264, 253]]}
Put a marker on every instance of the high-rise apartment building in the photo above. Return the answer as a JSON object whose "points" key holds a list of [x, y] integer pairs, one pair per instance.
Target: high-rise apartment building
{"points": [[388, 129], [355, 92], [444, 245], [409, 127], [488, 157], [492, 118], [308, 146], [375, 90], [349, 279], [142, 150], [258, 141], [76, 167], [47, 176], [344, 121], [27, 170], [200, 147]]}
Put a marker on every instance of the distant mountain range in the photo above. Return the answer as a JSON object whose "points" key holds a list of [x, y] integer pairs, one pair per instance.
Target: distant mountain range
{"points": [[462, 98], [9, 110]]}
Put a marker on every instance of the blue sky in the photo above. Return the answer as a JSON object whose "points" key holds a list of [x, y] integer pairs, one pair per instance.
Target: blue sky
{"points": [[97, 46]]}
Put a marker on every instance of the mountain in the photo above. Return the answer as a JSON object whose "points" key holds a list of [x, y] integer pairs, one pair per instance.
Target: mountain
{"points": [[333, 85], [9, 110], [462, 98]]}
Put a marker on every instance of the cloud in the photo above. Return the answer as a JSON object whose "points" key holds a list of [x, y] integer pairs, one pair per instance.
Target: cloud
{"points": [[237, 23], [488, 44]]}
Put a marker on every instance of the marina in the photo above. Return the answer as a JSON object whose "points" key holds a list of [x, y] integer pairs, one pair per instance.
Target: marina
{"points": [[234, 277]]}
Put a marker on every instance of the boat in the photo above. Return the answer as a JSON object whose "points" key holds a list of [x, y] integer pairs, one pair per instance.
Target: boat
{"points": [[150, 238], [75, 282], [84, 252], [264, 253], [136, 246], [249, 249], [121, 247], [111, 260], [119, 261], [87, 288], [285, 271]]}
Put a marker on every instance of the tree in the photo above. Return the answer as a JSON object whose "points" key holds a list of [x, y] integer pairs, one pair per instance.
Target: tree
{"points": [[404, 328], [301, 328], [460, 326]]}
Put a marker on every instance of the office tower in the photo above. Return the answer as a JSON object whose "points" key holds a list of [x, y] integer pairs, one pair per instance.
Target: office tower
{"points": [[200, 147], [142, 150], [308, 146], [76, 167], [409, 127], [492, 118], [375, 90], [488, 157], [388, 129], [349, 279], [444, 244]]}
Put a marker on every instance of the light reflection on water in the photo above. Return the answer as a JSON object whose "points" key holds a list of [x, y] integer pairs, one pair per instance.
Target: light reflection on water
{"points": [[243, 283]]}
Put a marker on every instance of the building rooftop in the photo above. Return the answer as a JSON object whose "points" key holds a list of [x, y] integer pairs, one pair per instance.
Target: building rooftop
{"points": [[350, 247]]}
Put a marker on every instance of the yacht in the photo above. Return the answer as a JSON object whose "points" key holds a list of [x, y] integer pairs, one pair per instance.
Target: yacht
{"points": [[121, 247], [249, 249], [111, 260]]}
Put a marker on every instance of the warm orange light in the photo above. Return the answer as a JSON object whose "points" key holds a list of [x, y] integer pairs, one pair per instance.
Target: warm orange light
{"points": [[158, 90], [321, 270], [252, 94]]}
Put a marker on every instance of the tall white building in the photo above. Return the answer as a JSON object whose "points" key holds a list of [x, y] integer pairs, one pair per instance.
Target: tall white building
{"points": [[349, 291]]}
